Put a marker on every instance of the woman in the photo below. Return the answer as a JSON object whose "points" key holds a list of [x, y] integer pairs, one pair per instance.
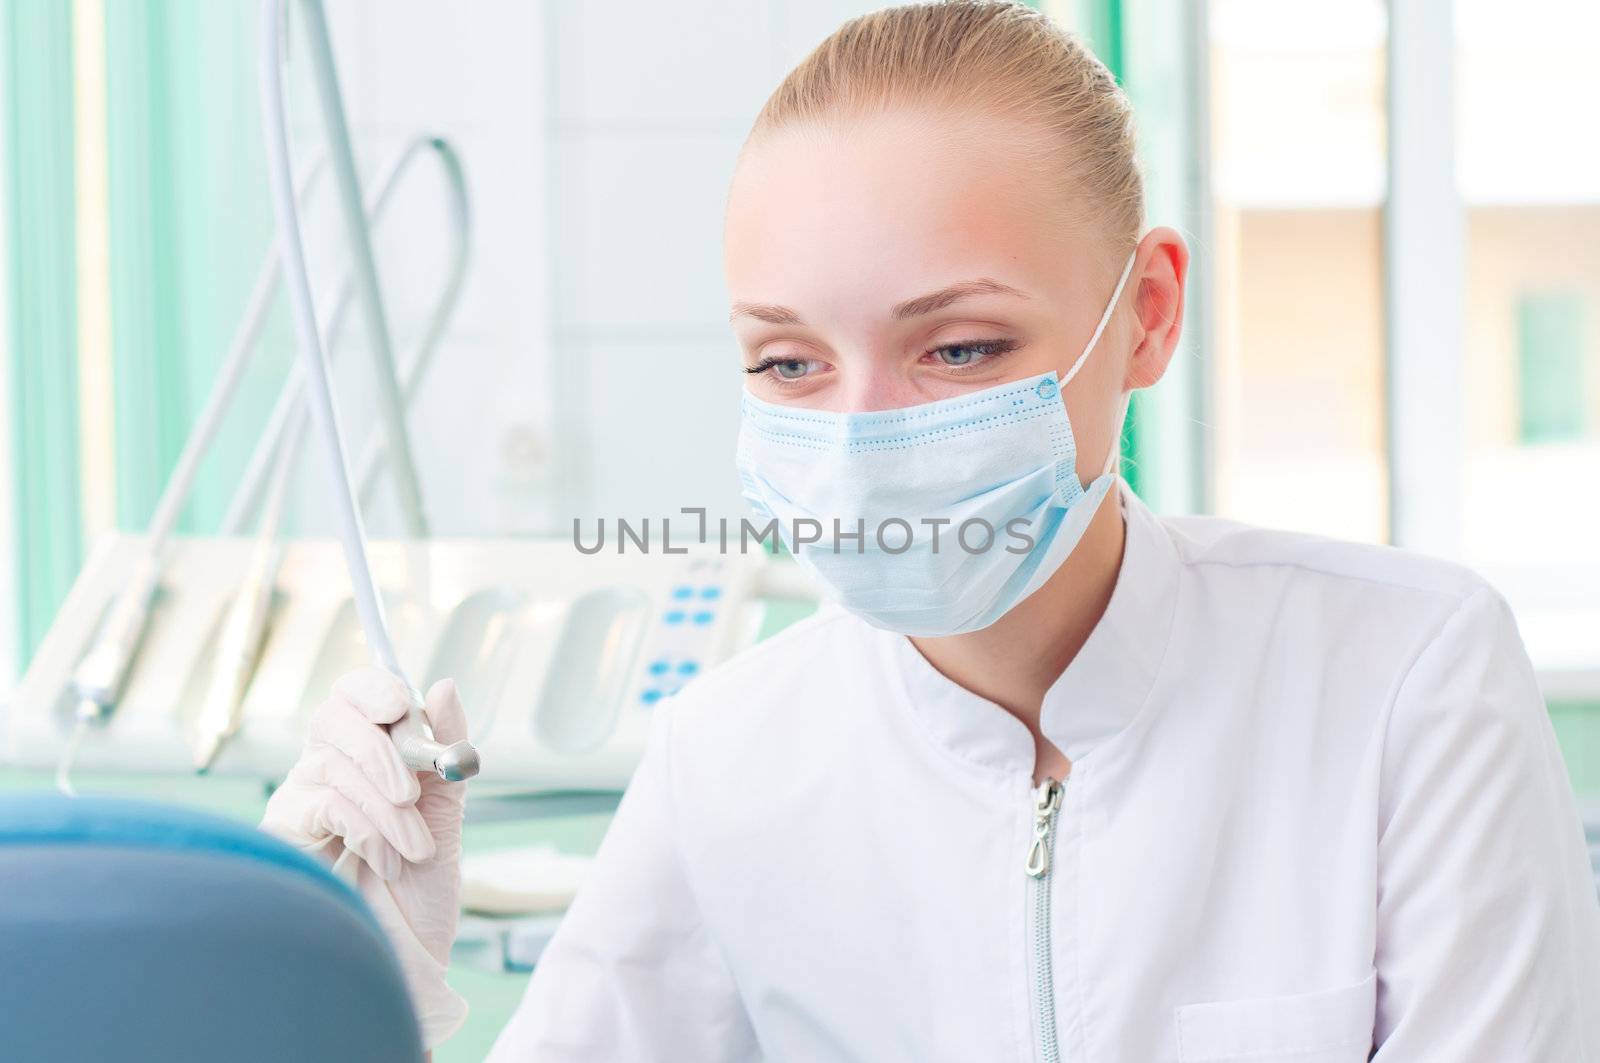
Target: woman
{"points": [[1116, 787]]}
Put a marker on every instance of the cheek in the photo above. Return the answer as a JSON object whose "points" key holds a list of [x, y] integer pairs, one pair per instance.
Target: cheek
{"points": [[1095, 402], [1034, 360], [1094, 420]]}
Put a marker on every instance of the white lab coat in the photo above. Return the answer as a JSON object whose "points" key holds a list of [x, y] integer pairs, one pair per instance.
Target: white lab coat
{"points": [[1316, 807]]}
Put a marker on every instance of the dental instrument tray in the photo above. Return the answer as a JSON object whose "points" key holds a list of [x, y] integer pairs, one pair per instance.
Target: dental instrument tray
{"points": [[560, 657]]}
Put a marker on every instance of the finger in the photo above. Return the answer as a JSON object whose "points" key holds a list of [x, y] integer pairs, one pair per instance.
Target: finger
{"points": [[441, 806], [346, 728], [287, 819], [379, 695], [402, 826], [338, 815], [445, 713], [298, 814], [347, 868]]}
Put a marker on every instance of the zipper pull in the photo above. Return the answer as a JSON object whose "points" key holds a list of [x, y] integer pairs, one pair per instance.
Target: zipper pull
{"points": [[1046, 800]]}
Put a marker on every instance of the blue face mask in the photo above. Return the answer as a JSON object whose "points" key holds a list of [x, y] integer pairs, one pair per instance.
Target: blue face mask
{"points": [[933, 519]]}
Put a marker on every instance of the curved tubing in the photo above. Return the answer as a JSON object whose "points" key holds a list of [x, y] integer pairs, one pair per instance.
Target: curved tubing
{"points": [[411, 734], [287, 418], [364, 267], [229, 377], [367, 467]]}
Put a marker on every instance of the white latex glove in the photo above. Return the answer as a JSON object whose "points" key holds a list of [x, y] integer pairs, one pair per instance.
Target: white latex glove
{"points": [[350, 790]]}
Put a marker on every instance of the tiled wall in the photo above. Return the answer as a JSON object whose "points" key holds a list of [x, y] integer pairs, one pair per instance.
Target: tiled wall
{"points": [[590, 370]]}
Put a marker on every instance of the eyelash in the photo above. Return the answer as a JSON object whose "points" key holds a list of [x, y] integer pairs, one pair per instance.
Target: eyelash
{"points": [[767, 364], [989, 349]]}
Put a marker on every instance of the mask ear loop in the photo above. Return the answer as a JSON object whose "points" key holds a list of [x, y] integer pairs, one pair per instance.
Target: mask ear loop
{"points": [[1105, 319], [1114, 455]]}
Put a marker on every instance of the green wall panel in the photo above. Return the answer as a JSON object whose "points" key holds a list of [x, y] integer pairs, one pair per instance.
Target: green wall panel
{"points": [[1551, 382], [148, 388], [1103, 29], [190, 224], [36, 36], [1577, 726]]}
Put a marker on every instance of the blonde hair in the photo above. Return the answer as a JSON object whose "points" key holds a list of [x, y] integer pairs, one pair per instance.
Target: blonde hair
{"points": [[986, 57]]}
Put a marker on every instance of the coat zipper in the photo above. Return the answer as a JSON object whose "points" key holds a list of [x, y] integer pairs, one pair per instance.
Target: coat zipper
{"points": [[1046, 803]]}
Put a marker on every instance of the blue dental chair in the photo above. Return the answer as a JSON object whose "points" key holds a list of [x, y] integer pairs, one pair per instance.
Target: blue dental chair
{"points": [[139, 932]]}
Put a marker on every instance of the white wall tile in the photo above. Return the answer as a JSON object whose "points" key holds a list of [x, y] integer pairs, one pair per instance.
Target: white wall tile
{"points": [[661, 419], [422, 61], [639, 231], [686, 63], [589, 366]]}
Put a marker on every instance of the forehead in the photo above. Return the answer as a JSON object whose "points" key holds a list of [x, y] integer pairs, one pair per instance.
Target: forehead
{"points": [[898, 199]]}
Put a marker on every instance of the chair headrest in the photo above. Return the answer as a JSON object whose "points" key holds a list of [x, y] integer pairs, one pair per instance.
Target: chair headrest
{"points": [[45, 818], [144, 932]]}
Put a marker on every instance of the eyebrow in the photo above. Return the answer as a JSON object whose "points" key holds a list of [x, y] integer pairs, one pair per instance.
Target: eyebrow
{"points": [[922, 304], [927, 304], [772, 315]]}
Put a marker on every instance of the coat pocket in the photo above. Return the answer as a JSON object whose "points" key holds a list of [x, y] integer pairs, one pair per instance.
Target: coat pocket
{"points": [[1327, 1026]]}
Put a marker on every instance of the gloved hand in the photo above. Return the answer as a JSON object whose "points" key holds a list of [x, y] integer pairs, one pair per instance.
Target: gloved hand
{"points": [[350, 790]]}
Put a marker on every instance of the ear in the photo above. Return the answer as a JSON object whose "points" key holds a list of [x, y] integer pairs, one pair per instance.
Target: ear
{"points": [[1161, 271]]}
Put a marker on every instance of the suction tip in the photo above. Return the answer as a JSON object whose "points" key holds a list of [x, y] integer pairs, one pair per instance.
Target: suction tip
{"points": [[90, 709], [205, 752], [456, 762]]}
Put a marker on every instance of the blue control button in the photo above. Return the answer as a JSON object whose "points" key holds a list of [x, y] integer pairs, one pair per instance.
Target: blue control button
{"points": [[683, 593], [688, 667], [651, 696], [659, 667], [674, 616], [710, 594], [704, 616]]}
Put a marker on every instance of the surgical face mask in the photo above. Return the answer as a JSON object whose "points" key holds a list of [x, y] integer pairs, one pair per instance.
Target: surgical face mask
{"points": [[933, 519]]}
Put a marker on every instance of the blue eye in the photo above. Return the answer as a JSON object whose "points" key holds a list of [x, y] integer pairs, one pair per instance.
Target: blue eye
{"points": [[788, 370], [964, 355], [959, 355]]}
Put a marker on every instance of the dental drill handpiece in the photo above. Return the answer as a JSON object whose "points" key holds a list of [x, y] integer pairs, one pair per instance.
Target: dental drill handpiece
{"points": [[98, 680], [101, 674], [411, 734]]}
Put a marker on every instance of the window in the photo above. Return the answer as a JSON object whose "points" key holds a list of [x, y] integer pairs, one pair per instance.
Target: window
{"points": [[1529, 180], [1298, 185], [1552, 382]]}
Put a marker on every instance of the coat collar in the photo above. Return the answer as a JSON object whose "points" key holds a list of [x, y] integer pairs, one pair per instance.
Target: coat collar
{"points": [[1106, 684], [1100, 691]]}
